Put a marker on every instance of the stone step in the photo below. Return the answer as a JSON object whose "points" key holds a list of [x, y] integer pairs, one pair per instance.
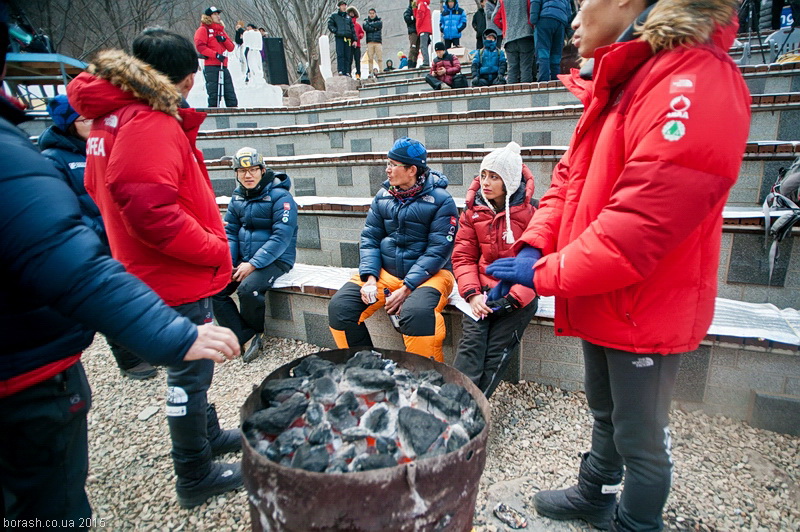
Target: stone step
{"points": [[418, 84], [719, 377], [361, 174], [774, 117]]}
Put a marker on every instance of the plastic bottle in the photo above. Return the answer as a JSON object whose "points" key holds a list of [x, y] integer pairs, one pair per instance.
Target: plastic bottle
{"points": [[394, 318]]}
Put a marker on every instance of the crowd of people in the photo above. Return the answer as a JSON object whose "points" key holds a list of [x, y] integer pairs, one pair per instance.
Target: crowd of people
{"points": [[133, 246]]}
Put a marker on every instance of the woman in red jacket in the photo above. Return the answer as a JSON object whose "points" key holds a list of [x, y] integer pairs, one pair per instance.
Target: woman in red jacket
{"points": [[356, 44], [422, 16], [630, 232], [499, 205]]}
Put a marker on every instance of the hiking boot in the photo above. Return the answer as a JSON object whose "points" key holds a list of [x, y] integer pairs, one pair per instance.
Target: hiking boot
{"points": [[593, 499], [254, 350], [139, 372], [220, 478], [221, 441]]}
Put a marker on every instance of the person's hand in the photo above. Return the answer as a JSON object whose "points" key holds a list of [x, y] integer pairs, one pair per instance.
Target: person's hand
{"points": [[214, 343], [503, 306], [220, 38], [395, 301], [477, 303], [242, 271], [517, 270], [220, 58], [365, 297], [501, 289]]}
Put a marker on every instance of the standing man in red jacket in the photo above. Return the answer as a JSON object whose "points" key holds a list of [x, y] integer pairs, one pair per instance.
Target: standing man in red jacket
{"points": [[148, 179], [627, 238], [212, 41]]}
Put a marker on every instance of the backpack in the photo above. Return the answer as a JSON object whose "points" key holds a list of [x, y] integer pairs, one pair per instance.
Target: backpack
{"points": [[783, 196]]}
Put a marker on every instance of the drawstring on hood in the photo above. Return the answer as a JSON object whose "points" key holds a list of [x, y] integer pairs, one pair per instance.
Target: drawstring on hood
{"points": [[507, 163]]}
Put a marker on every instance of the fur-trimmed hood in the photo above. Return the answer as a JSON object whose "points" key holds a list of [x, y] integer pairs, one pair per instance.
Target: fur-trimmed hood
{"points": [[674, 23], [208, 21], [131, 80]]}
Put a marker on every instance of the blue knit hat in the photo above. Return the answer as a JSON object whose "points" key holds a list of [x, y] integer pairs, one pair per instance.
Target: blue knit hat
{"points": [[61, 112], [409, 151]]}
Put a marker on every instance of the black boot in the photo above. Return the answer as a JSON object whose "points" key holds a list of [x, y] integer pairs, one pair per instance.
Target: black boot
{"points": [[221, 441], [254, 350], [198, 477], [593, 499]]}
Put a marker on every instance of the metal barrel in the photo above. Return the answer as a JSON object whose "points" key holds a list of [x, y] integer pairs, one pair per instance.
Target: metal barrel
{"points": [[433, 494]]}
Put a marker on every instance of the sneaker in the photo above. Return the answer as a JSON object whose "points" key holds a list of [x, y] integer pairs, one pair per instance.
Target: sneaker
{"points": [[140, 372], [221, 478], [254, 350]]}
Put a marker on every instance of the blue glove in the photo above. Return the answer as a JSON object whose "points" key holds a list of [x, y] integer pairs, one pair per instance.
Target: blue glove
{"points": [[517, 270], [499, 291]]}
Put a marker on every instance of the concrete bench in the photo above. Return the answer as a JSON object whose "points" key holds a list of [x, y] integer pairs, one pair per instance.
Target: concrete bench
{"points": [[748, 366]]}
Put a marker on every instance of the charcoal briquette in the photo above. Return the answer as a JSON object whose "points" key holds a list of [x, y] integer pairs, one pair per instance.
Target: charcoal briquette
{"points": [[281, 389], [431, 376], [315, 413], [320, 435], [376, 419], [367, 360], [341, 418], [324, 390], [311, 458], [369, 380], [385, 445], [419, 428], [373, 461], [348, 400], [355, 433], [274, 420], [313, 366], [448, 407], [458, 438], [290, 440]]}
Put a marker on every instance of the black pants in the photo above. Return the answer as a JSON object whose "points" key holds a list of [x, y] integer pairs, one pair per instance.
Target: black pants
{"points": [[125, 359], [44, 451], [481, 81], [521, 55], [248, 321], [211, 72], [187, 403], [448, 43], [488, 345], [435, 82], [356, 58], [343, 51], [629, 395]]}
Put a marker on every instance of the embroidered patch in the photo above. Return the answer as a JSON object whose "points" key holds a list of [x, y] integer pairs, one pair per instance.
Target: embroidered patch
{"points": [[286, 206], [682, 83], [680, 107], [673, 130], [453, 220]]}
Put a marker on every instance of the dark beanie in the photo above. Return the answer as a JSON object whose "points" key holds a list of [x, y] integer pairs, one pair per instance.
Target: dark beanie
{"points": [[61, 112], [409, 151], [440, 46]]}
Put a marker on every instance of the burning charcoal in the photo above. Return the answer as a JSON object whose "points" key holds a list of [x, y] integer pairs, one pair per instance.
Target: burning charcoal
{"points": [[313, 366], [290, 440], [337, 466], [315, 413], [345, 453], [340, 418], [448, 407], [438, 448], [457, 393], [431, 376], [275, 419], [355, 433], [281, 389], [372, 461], [385, 445], [367, 360], [320, 435], [270, 451], [381, 420], [368, 381], [311, 458], [473, 425], [419, 428], [348, 400], [324, 390], [458, 438]]}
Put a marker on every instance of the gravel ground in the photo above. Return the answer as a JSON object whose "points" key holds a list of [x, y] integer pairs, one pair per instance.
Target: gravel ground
{"points": [[728, 476]]}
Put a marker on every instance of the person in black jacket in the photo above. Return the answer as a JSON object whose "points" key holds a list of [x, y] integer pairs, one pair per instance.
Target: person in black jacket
{"points": [[64, 143], [341, 26], [413, 36], [373, 26], [479, 25], [261, 224], [59, 286]]}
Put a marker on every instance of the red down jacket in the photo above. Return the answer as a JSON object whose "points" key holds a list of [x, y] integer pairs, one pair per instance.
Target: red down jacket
{"points": [[422, 16], [148, 179], [205, 40], [479, 240], [631, 225]]}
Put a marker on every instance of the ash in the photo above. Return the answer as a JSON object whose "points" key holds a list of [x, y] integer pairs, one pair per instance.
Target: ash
{"points": [[362, 415]]}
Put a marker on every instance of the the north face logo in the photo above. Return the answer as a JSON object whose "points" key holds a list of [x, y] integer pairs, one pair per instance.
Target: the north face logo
{"points": [[643, 362], [111, 121]]}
